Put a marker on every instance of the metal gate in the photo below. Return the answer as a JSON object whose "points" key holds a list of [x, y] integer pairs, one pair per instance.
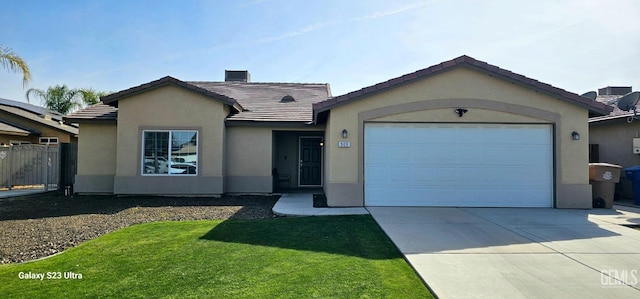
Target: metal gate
{"points": [[29, 166]]}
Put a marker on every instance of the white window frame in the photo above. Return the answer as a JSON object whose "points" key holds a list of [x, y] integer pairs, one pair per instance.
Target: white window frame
{"points": [[18, 142], [48, 140], [197, 162]]}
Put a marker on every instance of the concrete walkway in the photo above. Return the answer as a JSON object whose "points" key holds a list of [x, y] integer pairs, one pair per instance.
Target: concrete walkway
{"points": [[301, 204], [519, 253]]}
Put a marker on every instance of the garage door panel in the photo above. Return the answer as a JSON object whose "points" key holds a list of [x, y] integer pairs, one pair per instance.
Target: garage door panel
{"points": [[458, 165], [465, 197], [377, 176]]}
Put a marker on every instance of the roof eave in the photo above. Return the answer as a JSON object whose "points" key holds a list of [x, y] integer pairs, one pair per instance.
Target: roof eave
{"points": [[113, 99], [13, 133], [471, 63], [606, 118], [91, 120], [592, 106], [274, 123]]}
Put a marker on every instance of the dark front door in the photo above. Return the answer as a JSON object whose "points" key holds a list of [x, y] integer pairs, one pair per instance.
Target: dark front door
{"points": [[310, 161]]}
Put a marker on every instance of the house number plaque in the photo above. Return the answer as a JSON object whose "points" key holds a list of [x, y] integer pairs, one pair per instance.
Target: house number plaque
{"points": [[344, 143]]}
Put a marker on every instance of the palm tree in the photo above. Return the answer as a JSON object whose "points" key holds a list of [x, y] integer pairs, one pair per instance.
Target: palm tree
{"points": [[10, 60], [58, 98], [90, 96]]}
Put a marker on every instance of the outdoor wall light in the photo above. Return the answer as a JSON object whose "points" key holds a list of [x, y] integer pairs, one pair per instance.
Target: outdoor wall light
{"points": [[344, 133], [575, 135], [460, 111], [321, 143]]}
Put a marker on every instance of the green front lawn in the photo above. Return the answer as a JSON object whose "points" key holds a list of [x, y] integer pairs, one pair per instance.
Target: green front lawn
{"points": [[311, 257]]}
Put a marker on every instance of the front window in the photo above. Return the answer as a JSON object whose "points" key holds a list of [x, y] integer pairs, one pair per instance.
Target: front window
{"points": [[170, 152]]}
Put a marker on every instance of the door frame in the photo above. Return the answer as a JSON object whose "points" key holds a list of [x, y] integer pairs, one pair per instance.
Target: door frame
{"points": [[300, 161]]}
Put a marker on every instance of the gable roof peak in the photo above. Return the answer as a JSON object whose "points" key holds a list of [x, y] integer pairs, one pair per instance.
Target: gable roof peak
{"points": [[113, 98], [474, 64]]}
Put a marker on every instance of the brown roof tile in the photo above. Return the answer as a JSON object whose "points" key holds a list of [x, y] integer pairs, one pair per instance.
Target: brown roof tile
{"points": [[612, 101], [262, 101], [255, 101], [113, 99], [98, 111], [465, 61]]}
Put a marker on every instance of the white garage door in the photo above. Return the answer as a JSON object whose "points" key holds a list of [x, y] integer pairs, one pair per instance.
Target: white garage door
{"points": [[461, 165]]}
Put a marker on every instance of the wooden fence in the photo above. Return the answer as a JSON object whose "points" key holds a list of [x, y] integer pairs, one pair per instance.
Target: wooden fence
{"points": [[31, 166]]}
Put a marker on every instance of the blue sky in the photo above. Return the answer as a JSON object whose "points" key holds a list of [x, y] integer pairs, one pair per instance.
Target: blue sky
{"points": [[113, 45]]}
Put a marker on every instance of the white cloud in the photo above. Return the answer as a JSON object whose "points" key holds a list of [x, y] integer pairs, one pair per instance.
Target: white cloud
{"points": [[330, 23]]}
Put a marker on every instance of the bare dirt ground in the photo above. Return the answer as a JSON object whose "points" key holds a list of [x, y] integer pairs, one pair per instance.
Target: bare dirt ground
{"points": [[40, 225]]}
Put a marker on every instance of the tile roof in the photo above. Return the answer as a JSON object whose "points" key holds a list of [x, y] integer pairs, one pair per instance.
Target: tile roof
{"points": [[263, 101], [258, 101], [113, 98], [612, 101], [99, 111], [469, 62], [42, 119]]}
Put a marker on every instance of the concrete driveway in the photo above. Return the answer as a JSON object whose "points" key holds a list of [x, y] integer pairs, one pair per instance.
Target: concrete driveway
{"points": [[517, 252]]}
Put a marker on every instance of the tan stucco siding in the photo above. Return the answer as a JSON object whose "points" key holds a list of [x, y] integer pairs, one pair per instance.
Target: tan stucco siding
{"points": [[615, 140], [96, 158], [489, 100], [249, 151], [248, 160], [97, 149], [170, 108], [477, 115], [574, 154]]}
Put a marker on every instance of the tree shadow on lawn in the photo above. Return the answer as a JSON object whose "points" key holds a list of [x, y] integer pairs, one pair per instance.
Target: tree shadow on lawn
{"points": [[54, 204], [356, 235]]}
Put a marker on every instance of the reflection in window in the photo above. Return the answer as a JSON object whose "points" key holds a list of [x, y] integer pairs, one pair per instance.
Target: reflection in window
{"points": [[170, 152]]}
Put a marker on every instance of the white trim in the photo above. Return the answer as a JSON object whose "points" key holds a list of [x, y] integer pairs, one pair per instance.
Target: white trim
{"points": [[169, 163], [18, 142], [300, 161], [609, 117]]}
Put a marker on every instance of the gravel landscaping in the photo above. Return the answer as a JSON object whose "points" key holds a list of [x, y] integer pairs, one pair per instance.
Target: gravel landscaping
{"points": [[36, 226]]}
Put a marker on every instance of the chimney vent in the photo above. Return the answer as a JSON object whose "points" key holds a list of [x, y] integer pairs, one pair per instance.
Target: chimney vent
{"points": [[614, 90], [237, 76]]}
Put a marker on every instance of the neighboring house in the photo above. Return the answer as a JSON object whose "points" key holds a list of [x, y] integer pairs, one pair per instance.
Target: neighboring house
{"points": [[611, 136], [460, 133], [22, 123]]}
